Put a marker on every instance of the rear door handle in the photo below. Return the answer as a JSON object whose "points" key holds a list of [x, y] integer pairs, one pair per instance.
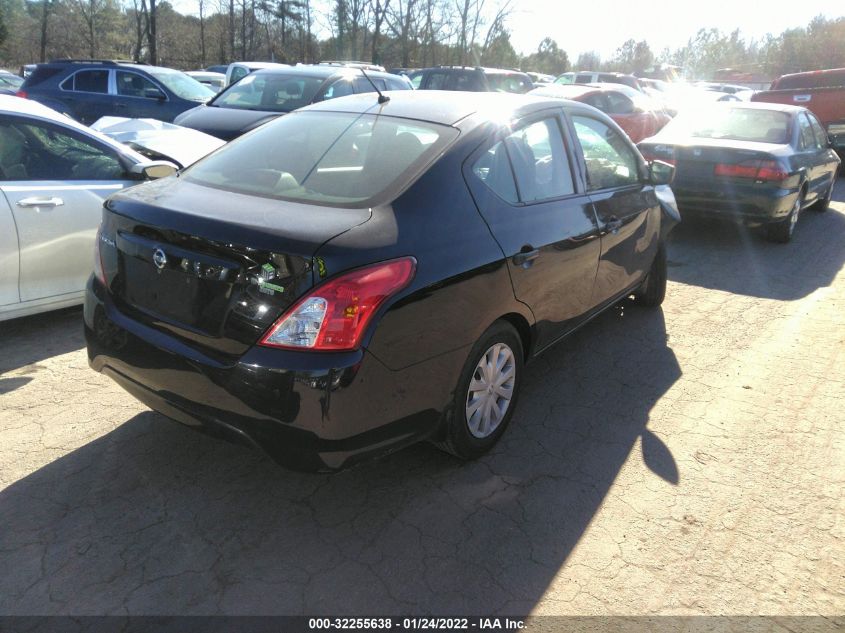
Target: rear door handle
{"points": [[525, 257], [40, 202], [613, 224]]}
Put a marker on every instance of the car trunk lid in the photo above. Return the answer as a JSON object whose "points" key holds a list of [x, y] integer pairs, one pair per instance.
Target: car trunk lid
{"points": [[211, 267]]}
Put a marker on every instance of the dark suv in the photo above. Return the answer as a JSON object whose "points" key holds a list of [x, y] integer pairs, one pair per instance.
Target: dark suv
{"points": [[89, 89], [471, 79]]}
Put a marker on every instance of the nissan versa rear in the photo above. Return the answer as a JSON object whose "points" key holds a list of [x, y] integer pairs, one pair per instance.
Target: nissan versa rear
{"points": [[356, 276]]}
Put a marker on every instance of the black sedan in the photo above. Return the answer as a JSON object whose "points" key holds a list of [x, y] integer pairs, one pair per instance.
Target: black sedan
{"points": [[758, 163], [266, 94], [356, 276]]}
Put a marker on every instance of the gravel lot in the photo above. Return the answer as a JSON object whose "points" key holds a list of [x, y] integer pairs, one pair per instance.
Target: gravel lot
{"points": [[684, 461]]}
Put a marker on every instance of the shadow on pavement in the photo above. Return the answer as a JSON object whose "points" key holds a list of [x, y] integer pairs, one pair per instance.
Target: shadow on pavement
{"points": [[39, 337], [732, 258], [155, 519]]}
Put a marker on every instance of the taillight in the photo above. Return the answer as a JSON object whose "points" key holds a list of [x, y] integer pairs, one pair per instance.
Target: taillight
{"points": [[22, 94], [763, 170], [335, 315], [99, 269]]}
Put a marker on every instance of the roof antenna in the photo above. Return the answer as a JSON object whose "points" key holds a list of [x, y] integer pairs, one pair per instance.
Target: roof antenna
{"points": [[382, 98]]}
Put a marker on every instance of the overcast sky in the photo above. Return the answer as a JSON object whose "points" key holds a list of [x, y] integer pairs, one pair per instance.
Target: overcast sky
{"points": [[602, 25]]}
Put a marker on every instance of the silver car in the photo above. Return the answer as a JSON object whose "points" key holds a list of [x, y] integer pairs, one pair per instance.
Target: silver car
{"points": [[54, 175]]}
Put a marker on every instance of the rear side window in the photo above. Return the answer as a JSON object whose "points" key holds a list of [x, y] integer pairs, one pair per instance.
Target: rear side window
{"points": [[535, 156], [416, 79], [610, 161], [88, 81], [806, 140], [818, 130], [238, 72], [469, 82], [329, 158], [437, 81], [584, 79]]}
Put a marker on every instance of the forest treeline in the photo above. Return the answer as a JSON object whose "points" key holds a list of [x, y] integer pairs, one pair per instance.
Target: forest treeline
{"points": [[394, 33]]}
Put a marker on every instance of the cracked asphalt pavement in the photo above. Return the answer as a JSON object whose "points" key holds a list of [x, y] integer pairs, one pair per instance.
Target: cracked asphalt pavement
{"points": [[682, 461]]}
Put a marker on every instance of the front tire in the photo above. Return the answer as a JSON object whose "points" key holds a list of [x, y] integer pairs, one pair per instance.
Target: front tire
{"points": [[486, 394], [653, 291]]}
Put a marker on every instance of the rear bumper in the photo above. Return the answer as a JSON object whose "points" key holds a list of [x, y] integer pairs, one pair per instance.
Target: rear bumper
{"points": [[735, 204], [308, 411]]}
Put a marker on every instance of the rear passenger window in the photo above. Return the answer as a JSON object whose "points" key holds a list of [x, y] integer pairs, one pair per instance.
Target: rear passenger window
{"points": [[610, 160], [584, 79], [416, 80], [540, 162], [806, 139], [91, 81], [536, 157], [821, 135], [494, 170], [470, 82], [437, 81]]}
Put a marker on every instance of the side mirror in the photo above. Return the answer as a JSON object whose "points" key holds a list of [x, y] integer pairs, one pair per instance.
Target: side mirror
{"points": [[660, 173], [155, 93], [154, 169]]}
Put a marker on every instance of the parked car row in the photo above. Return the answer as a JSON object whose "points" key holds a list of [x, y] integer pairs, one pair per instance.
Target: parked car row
{"points": [[372, 270]]}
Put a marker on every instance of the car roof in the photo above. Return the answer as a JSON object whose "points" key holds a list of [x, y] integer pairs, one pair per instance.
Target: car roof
{"points": [[435, 106], [564, 91], [761, 105], [323, 71], [29, 108]]}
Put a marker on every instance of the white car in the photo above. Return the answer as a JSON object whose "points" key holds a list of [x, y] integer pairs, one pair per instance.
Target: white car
{"points": [[54, 175], [215, 81]]}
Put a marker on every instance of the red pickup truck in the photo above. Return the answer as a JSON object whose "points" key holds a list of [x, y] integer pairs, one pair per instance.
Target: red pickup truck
{"points": [[820, 91]]}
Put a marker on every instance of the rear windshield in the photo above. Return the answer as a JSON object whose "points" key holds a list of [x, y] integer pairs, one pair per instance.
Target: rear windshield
{"points": [[270, 93], [833, 79], [328, 158], [41, 74], [738, 124]]}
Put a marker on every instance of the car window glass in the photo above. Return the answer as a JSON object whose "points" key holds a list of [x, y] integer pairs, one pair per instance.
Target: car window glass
{"points": [[806, 139], [494, 170], [583, 78], [276, 93], [134, 85], [416, 79], [340, 88], [619, 104], [238, 72], [91, 81], [362, 85], [820, 134], [610, 161], [437, 81], [469, 82], [539, 161], [597, 101], [35, 152]]}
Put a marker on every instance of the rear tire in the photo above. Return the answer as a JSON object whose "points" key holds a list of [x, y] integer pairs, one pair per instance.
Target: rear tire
{"points": [[653, 291], [481, 409], [782, 232]]}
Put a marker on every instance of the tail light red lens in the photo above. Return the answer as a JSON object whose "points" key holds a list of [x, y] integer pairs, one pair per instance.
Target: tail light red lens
{"points": [[766, 170], [22, 94], [335, 314]]}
